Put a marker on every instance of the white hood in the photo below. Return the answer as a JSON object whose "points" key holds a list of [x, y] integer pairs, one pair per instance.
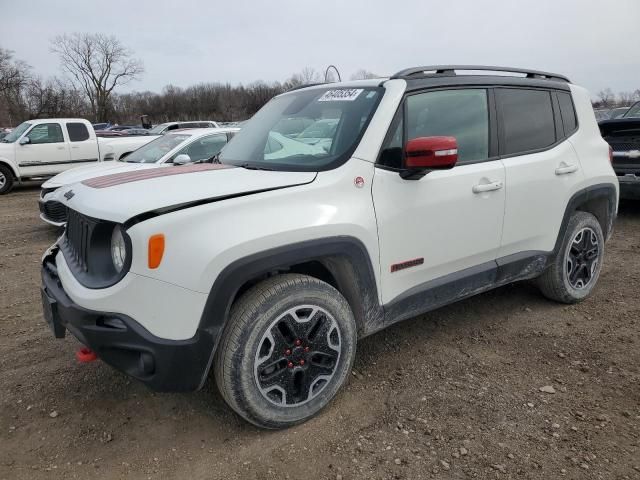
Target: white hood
{"points": [[122, 201], [80, 174]]}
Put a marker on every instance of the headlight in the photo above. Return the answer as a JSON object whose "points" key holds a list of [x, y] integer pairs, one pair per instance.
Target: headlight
{"points": [[118, 249]]}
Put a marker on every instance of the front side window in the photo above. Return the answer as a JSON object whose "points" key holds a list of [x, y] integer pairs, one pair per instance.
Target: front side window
{"points": [[77, 132], [153, 151], [204, 148], [460, 113], [46, 133], [527, 120], [277, 137]]}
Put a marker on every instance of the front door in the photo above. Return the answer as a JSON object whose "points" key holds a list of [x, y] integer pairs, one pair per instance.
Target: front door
{"points": [[45, 153], [448, 224]]}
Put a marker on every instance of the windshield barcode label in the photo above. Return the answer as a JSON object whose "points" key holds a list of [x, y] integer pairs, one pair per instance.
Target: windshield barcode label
{"points": [[342, 95]]}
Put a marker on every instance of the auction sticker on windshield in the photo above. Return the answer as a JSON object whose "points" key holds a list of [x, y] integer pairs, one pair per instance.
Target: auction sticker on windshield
{"points": [[341, 95]]}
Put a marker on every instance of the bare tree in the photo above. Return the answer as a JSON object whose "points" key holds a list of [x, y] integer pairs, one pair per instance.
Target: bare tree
{"points": [[97, 64], [307, 76], [13, 73], [363, 74], [606, 97]]}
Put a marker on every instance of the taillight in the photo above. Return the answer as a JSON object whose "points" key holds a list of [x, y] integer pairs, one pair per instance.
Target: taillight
{"points": [[610, 154]]}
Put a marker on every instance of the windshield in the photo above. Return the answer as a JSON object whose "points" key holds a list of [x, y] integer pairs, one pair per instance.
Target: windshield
{"points": [[17, 132], [153, 151], [158, 129], [633, 112], [306, 130]]}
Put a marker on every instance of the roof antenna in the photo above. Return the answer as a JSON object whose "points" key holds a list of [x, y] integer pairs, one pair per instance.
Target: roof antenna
{"points": [[326, 73]]}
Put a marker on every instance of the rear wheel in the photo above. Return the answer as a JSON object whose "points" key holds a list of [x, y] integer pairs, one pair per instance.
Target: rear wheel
{"points": [[286, 351], [576, 268], [6, 179]]}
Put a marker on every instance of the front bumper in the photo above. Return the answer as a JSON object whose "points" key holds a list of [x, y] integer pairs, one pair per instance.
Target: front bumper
{"points": [[163, 365]]}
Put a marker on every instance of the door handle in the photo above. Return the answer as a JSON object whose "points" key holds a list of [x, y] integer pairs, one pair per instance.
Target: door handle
{"points": [[566, 169], [75, 147], [60, 148], [487, 187]]}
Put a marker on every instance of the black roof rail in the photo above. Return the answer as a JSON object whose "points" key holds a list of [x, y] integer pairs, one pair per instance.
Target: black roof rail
{"points": [[447, 70]]}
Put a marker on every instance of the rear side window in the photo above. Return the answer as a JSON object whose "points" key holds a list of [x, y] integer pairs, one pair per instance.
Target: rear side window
{"points": [[527, 120], [567, 112], [77, 132]]}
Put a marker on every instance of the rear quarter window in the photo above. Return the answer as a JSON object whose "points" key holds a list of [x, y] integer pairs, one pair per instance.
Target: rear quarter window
{"points": [[567, 112]]}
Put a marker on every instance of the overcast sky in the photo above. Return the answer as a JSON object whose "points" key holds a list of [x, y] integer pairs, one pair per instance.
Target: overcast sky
{"points": [[182, 42]]}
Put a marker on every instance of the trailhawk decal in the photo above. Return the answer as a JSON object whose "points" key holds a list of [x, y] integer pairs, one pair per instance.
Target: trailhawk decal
{"points": [[128, 177], [408, 264]]}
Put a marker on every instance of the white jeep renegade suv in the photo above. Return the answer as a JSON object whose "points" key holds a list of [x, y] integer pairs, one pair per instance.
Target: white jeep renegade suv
{"points": [[268, 265]]}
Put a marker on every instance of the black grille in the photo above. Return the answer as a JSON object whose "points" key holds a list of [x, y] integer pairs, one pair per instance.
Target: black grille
{"points": [[77, 236], [624, 146], [54, 211]]}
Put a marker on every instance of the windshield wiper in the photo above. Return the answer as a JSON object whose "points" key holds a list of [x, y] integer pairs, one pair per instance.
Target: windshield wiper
{"points": [[252, 166]]}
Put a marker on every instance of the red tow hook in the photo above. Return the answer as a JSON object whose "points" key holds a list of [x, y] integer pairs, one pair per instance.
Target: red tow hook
{"points": [[86, 355]]}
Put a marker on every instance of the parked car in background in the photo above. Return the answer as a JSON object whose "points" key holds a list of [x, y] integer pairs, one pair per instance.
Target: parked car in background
{"points": [[117, 148], [601, 114], [116, 130], [270, 264], [137, 131], [169, 126], [3, 134], [617, 112], [175, 148], [42, 148], [623, 136], [39, 149], [633, 111], [101, 126]]}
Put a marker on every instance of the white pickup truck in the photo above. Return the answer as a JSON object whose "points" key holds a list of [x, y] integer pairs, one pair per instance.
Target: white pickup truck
{"points": [[39, 149]]}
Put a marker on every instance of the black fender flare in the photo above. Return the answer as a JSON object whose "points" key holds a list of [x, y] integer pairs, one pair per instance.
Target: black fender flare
{"points": [[584, 196], [345, 257]]}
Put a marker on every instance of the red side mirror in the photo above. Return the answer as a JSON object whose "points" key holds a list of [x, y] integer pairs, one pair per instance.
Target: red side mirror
{"points": [[431, 153]]}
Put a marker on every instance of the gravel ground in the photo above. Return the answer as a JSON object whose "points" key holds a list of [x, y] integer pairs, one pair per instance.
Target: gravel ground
{"points": [[503, 385]]}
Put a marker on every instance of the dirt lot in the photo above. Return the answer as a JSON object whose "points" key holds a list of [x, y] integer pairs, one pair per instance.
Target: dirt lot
{"points": [[452, 394]]}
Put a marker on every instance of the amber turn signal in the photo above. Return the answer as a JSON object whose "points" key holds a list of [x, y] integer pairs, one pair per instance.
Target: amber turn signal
{"points": [[156, 250]]}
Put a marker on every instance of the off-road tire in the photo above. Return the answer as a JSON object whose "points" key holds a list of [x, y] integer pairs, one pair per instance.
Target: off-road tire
{"points": [[554, 282], [251, 317]]}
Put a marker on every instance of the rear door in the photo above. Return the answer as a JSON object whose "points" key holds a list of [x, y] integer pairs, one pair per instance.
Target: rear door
{"points": [[47, 152], [542, 168], [83, 144], [442, 227]]}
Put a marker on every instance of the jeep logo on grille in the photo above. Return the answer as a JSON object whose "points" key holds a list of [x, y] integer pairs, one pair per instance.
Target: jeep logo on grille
{"points": [[69, 195]]}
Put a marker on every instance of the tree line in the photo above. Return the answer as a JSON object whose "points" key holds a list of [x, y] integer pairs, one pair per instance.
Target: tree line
{"points": [[606, 98], [95, 65]]}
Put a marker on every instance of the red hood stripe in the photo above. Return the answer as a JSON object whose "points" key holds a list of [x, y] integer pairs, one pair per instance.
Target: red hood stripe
{"points": [[128, 177]]}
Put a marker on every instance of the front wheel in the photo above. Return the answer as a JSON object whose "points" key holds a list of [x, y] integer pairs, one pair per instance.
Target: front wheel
{"points": [[576, 268], [6, 180], [286, 351]]}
